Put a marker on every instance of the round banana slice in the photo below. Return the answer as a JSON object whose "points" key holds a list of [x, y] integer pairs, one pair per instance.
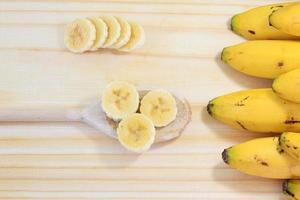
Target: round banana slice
{"points": [[160, 107], [125, 33], [101, 32], [137, 38], [120, 99], [114, 30], [136, 133], [80, 35]]}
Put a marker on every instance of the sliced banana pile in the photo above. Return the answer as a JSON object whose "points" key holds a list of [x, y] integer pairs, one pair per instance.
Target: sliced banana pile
{"points": [[93, 33], [136, 131]]}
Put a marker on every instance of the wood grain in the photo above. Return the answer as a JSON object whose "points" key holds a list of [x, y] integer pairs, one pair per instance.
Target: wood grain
{"points": [[73, 161]]}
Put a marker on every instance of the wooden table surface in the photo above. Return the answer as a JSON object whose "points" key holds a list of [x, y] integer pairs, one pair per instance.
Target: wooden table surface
{"points": [[73, 161]]}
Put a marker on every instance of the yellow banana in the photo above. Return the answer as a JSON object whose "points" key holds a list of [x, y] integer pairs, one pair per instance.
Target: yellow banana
{"points": [[287, 19], [291, 188], [287, 85], [254, 24], [290, 143], [263, 58], [259, 110], [261, 157]]}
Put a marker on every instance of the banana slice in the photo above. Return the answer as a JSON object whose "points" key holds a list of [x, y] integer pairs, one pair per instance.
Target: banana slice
{"points": [[125, 33], [120, 99], [136, 133], [80, 35], [114, 30], [137, 38], [160, 107], [101, 32]]}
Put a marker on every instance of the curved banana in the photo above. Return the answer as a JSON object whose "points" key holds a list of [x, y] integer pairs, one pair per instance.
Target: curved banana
{"points": [[159, 106], [119, 100], [287, 19], [259, 110], [80, 35], [254, 24], [261, 157], [137, 38], [263, 58], [290, 143], [287, 85], [291, 188], [136, 133]]}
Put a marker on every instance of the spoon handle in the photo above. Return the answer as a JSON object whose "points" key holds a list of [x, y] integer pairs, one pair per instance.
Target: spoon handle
{"points": [[36, 113]]}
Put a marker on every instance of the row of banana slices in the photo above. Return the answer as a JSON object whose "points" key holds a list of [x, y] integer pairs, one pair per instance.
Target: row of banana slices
{"points": [[92, 33], [138, 116]]}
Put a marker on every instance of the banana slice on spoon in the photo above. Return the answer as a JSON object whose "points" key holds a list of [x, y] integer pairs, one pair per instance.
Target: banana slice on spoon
{"points": [[94, 116]]}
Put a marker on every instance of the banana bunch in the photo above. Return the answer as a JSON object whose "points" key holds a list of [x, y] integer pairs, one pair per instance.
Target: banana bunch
{"points": [[275, 30], [272, 53], [93, 33], [138, 115]]}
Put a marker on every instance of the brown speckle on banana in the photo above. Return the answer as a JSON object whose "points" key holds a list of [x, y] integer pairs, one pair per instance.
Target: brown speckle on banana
{"points": [[241, 125], [241, 102]]}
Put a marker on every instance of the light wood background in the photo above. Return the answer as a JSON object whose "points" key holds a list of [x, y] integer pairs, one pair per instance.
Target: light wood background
{"points": [[73, 161]]}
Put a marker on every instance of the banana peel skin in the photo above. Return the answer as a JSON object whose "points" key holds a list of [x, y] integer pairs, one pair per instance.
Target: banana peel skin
{"points": [[270, 61], [286, 19], [291, 188], [257, 110], [290, 143], [253, 24], [263, 158]]}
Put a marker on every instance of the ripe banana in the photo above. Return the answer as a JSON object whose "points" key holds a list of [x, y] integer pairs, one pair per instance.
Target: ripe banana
{"points": [[287, 19], [259, 110], [137, 38], [119, 100], [291, 188], [261, 157], [254, 24], [290, 143], [159, 106], [263, 58], [80, 35], [101, 32], [287, 85], [125, 33], [114, 30], [136, 133]]}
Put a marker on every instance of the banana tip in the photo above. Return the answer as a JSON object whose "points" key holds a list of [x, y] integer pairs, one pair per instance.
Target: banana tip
{"points": [[223, 54], [209, 107], [232, 23], [225, 156], [285, 188]]}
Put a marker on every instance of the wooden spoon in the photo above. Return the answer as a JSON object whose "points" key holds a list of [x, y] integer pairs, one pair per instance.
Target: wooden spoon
{"points": [[94, 116]]}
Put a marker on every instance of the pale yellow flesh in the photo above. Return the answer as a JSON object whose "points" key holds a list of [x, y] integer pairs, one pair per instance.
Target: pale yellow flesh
{"points": [[119, 100], [136, 132], [290, 143], [79, 35], [114, 30], [258, 110], [261, 157], [287, 19], [160, 107], [125, 33], [254, 24], [263, 58], [137, 38], [101, 32], [287, 85]]}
